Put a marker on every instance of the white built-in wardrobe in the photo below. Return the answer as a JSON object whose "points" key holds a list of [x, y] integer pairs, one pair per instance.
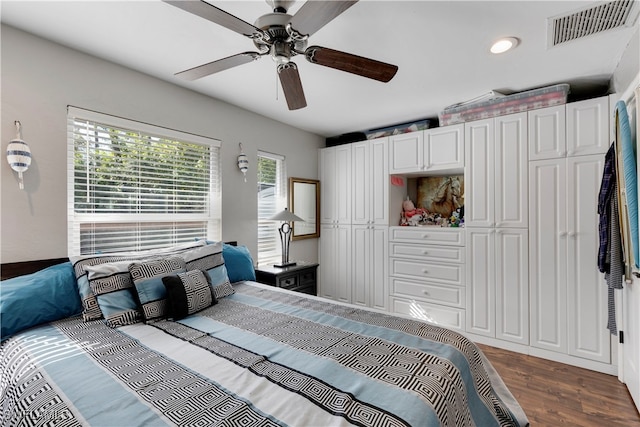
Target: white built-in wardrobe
{"points": [[522, 274]]}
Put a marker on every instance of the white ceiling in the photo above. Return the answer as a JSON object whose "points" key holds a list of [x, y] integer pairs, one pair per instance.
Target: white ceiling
{"points": [[440, 47]]}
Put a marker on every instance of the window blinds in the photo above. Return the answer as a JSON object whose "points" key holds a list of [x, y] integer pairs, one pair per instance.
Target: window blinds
{"points": [[134, 186], [272, 190]]}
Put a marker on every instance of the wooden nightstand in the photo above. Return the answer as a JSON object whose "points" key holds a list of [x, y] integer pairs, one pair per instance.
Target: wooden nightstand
{"points": [[300, 277]]}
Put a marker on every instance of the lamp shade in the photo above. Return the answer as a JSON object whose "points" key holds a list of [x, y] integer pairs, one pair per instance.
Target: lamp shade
{"points": [[285, 215]]}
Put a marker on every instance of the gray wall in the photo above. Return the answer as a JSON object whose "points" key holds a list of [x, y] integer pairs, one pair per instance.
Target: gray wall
{"points": [[39, 80], [629, 65]]}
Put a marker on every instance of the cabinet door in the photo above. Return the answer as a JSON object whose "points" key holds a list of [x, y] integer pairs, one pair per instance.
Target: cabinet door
{"points": [[444, 148], [481, 281], [342, 185], [379, 182], [588, 127], [587, 290], [548, 254], [342, 252], [326, 257], [378, 267], [406, 153], [512, 285], [511, 172], [361, 182], [360, 266], [327, 175], [547, 133], [479, 174]]}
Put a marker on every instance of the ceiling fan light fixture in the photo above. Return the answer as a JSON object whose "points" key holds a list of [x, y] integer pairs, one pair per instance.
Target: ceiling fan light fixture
{"points": [[281, 52], [504, 44]]}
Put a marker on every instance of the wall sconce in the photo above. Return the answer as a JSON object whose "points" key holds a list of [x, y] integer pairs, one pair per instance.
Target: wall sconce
{"points": [[243, 162], [285, 234], [19, 154]]}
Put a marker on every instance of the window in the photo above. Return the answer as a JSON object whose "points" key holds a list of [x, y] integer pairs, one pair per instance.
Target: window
{"points": [[271, 200], [135, 186]]}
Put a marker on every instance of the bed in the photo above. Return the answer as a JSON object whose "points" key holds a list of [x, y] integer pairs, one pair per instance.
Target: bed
{"points": [[257, 356]]}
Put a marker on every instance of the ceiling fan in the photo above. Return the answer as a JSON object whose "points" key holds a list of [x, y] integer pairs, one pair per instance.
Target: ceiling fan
{"points": [[283, 36]]}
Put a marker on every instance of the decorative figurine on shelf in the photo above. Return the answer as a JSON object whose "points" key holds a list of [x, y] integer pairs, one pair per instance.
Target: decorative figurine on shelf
{"points": [[411, 215]]}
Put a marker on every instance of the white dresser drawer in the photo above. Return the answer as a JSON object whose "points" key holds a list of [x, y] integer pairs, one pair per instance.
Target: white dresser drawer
{"points": [[449, 236], [432, 292], [452, 274], [449, 317], [428, 253]]}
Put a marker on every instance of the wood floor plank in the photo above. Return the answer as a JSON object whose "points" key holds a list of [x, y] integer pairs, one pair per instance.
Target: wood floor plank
{"points": [[555, 394]]}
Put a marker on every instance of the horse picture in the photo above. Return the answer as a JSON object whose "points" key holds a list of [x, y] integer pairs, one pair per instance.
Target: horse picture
{"points": [[441, 194]]}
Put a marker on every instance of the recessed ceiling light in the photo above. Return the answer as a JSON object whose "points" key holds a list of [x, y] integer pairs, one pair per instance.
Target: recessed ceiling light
{"points": [[504, 44]]}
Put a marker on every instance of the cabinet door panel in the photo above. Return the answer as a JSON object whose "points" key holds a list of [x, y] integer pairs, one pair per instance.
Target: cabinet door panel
{"points": [[512, 285], [511, 171], [379, 182], [588, 127], [361, 170], [327, 174], [587, 307], [378, 268], [406, 153], [327, 278], [342, 184], [481, 281], [343, 263], [444, 148], [547, 133], [360, 276], [479, 174], [548, 254]]}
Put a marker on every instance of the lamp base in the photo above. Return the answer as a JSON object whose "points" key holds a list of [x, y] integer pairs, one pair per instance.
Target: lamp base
{"points": [[286, 264]]}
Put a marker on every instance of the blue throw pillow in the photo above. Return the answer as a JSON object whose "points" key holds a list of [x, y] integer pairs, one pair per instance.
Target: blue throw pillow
{"points": [[239, 264], [47, 295]]}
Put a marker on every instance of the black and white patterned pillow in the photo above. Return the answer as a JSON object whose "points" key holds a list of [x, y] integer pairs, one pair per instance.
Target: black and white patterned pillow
{"points": [[147, 279], [209, 258], [112, 285], [188, 293]]}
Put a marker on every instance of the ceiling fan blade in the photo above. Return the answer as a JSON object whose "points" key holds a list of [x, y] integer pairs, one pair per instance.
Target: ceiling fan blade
{"points": [[292, 86], [350, 63], [219, 65], [218, 16], [314, 15]]}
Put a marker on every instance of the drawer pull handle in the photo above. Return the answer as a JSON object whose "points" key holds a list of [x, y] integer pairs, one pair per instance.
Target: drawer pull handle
{"points": [[425, 252], [426, 293], [425, 271], [425, 236]]}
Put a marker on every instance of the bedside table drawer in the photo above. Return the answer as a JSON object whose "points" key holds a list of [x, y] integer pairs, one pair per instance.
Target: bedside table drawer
{"points": [[300, 277], [288, 282]]}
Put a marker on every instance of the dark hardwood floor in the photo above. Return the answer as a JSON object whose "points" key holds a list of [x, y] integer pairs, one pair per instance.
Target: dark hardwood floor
{"points": [[555, 394]]}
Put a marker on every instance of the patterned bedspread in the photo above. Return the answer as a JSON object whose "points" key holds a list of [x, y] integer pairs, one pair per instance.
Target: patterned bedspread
{"points": [[259, 357]]}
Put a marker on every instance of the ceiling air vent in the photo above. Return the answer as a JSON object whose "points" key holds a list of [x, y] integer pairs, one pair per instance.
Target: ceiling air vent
{"points": [[592, 20]]}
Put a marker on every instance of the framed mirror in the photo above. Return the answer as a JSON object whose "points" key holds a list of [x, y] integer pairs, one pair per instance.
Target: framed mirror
{"points": [[304, 201]]}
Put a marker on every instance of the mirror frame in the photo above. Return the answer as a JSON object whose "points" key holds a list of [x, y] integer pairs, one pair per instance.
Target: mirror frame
{"points": [[292, 191]]}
